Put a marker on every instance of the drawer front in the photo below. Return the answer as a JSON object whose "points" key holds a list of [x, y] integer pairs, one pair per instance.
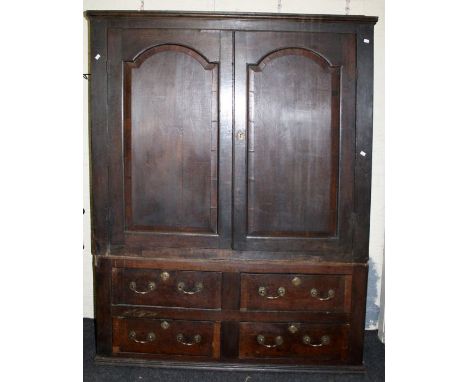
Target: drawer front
{"points": [[172, 337], [188, 289], [327, 293], [293, 340]]}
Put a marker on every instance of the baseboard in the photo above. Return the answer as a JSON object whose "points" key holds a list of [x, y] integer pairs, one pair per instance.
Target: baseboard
{"points": [[113, 361]]}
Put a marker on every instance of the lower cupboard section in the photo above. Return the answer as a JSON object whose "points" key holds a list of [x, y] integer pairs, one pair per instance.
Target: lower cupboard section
{"points": [[166, 337], [314, 342]]}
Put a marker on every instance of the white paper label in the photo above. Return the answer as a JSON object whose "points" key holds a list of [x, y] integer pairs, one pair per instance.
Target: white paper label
{"points": [[98, 56], [363, 153], [366, 41]]}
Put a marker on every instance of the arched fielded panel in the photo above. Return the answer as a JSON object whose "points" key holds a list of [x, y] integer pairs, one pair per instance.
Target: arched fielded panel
{"points": [[293, 136], [170, 141]]}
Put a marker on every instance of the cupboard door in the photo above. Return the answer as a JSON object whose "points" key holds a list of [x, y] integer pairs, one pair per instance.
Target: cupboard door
{"points": [[170, 182], [294, 141]]}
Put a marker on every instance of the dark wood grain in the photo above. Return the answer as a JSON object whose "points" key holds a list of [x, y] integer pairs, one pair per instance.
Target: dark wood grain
{"points": [[165, 339], [234, 15], [207, 364], [115, 134], [230, 339], [226, 315], [299, 138], [231, 290], [358, 309], [102, 305], [166, 189], [296, 103], [226, 151], [225, 138], [292, 343], [296, 296], [171, 142], [98, 138], [364, 115], [191, 261], [199, 290]]}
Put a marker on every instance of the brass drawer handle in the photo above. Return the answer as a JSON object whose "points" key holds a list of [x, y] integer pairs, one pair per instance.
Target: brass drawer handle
{"points": [[261, 341], [181, 339], [262, 292], [315, 293], [198, 288], [324, 340], [150, 337], [150, 287]]}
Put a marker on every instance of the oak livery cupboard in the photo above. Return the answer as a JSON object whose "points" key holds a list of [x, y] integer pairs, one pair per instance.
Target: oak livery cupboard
{"points": [[231, 174]]}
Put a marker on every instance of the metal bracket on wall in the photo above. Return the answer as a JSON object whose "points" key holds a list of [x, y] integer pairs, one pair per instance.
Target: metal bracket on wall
{"points": [[86, 75]]}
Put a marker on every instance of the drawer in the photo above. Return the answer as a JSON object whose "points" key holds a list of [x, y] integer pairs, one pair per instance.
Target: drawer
{"points": [[315, 342], [327, 293], [164, 336], [187, 289]]}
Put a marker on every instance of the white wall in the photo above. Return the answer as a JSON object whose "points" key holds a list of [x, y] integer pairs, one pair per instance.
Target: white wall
{"points": [[358, 7]]}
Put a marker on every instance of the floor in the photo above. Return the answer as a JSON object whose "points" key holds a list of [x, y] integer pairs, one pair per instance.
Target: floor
{"points": [[374, 358]]}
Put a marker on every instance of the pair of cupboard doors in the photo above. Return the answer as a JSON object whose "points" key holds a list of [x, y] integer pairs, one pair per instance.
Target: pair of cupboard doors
{"points": [[250, 140]]}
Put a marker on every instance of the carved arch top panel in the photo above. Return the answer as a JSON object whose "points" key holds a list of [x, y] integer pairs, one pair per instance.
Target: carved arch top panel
{"points": [[171, 141], [293, 145], [147, 53], [312, 55]]}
